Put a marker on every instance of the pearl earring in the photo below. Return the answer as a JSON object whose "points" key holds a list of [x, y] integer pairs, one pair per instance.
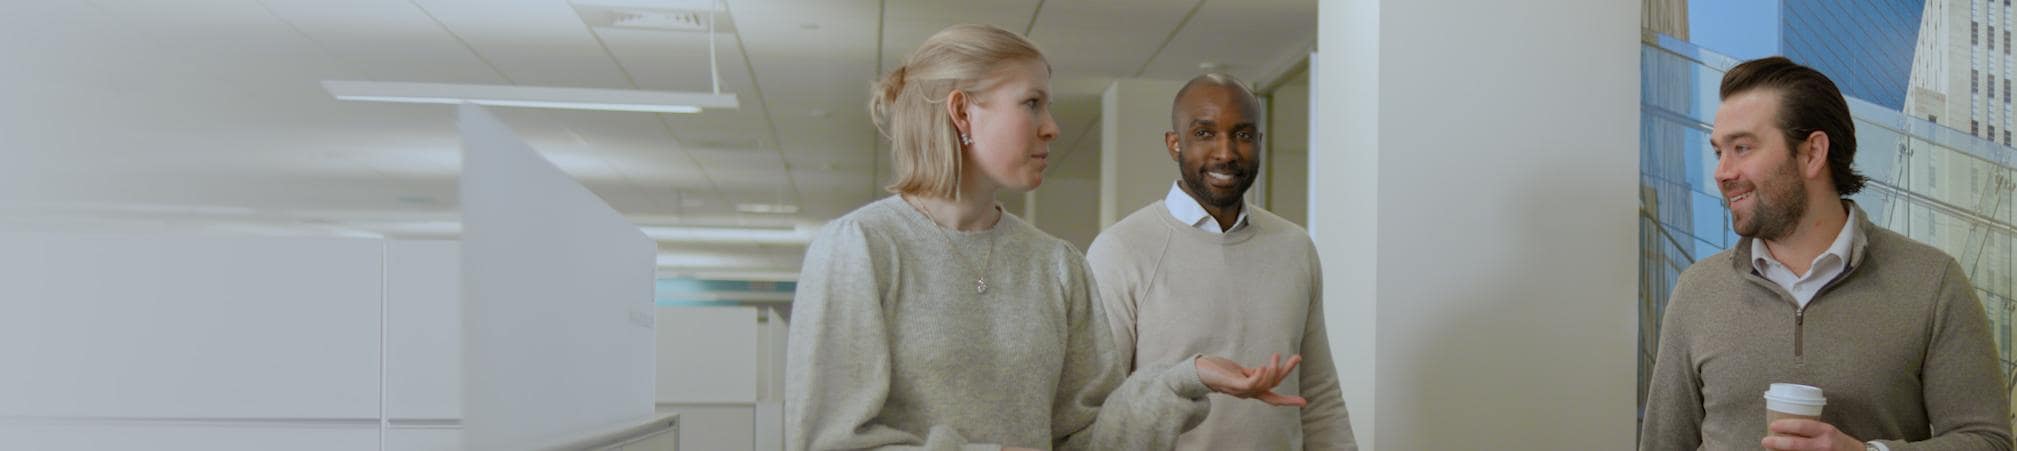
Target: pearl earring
{"points": [[964, 139]]}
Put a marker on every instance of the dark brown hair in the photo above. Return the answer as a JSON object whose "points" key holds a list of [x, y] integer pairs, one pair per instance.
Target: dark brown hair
{"points": [[1808, 102]]}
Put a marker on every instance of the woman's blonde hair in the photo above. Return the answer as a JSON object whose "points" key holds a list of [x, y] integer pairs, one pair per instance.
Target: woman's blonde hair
{"points": [[907, 104]]}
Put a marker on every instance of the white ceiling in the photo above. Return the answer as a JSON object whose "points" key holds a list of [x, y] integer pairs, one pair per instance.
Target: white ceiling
{"points": [[208, 114]]}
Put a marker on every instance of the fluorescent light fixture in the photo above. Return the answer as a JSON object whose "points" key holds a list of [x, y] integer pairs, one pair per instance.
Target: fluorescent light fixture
{"points": [[731, 273], [798, 235], [690, 5], [411, 228], [531, 96], [149, 209], [701, 260], [782, 209]]}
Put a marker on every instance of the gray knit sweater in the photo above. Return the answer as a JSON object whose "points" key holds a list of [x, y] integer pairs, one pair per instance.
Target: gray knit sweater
{"points": [[1898, 343], [892, 348]]}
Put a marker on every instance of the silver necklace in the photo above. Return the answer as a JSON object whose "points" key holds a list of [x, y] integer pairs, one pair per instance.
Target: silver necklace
{"points": [[979, 282]]}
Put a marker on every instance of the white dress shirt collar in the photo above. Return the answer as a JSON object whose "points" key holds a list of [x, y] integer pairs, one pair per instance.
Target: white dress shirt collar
{"points": [[1824, 268], [1189, 211]]}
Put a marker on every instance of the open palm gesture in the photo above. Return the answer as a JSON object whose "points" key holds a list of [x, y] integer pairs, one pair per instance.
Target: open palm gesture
{"points": [[1226, 376]]}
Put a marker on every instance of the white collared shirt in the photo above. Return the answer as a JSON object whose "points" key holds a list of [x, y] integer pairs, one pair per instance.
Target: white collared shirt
{"points": [[1189, 211], [1825, 267]]}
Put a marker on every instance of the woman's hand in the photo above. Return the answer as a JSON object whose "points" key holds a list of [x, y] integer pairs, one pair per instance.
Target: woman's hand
{"points": [[1226, 376]]}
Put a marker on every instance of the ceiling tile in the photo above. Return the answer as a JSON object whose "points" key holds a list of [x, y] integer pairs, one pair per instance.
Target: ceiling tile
{"points": [[533, 42], [386, 41], [1249, 38]]}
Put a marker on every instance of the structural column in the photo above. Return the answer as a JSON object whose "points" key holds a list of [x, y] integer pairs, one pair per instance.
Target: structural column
{"points": [[1473, 180]]}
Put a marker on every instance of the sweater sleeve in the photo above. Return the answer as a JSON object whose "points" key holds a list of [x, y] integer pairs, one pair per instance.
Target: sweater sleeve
{"points": [[1673, 416], [1326, 424], [1963, 388], [838, 375], [1100, 407], [1110, 268]]}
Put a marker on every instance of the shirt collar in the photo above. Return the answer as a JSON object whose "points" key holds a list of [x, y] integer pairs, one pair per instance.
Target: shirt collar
{"points": [[1844, 245], [1189, 211]]}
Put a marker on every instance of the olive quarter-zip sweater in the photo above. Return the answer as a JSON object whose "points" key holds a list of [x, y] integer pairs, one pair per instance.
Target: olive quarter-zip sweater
{"points": [[1898, 343]]}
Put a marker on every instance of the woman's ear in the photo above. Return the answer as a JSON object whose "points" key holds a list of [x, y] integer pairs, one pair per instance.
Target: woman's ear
{"points": [[956, 108]]}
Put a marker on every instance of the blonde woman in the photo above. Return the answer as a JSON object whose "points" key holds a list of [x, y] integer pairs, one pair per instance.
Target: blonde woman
{"points": [[934, 320]]}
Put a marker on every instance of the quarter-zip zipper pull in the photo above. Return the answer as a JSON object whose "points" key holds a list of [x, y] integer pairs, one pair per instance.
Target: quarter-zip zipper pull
{"points": [[1799, 329]]}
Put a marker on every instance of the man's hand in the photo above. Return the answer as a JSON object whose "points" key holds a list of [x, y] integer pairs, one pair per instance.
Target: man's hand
{"points": [[1226, 376], [1808, 435]]}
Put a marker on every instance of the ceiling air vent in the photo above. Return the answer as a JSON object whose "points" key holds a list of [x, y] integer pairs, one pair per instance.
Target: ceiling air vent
{"points": [[684, 16]]}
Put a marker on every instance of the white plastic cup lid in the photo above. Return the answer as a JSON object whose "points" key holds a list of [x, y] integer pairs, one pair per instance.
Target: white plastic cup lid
{"points": [[1795, 399]]}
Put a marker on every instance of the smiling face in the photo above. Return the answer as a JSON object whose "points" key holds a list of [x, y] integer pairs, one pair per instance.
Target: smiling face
{"points": [[1216, 142], [1756, 167], [1011, 126]]}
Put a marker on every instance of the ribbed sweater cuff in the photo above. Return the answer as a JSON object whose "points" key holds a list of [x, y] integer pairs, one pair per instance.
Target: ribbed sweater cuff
{"points": [[1183, 379]]}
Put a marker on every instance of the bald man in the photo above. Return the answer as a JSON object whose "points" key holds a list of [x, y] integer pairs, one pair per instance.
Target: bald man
{"points": [[1201, 272]]}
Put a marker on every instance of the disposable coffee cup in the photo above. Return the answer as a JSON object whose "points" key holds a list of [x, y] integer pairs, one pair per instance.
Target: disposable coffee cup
{"points": [[1785, 401]]}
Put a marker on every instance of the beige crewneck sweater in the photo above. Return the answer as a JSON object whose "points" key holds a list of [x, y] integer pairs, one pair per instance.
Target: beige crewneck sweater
{"points": [[891, 348], [1173, 291]]}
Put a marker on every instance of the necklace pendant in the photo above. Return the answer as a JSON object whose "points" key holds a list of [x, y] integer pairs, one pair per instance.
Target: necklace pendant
{"points": [[979, 286]]}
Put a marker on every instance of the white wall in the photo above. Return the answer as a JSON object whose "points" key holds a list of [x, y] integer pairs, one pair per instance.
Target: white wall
{"points": [[707, 355], [715, 371], [223, 343], [1067, 209], [1477, 173], [423, 342], [423, 345], [1135, 166], [207, 327], [1288, 144], [715, 427]]}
